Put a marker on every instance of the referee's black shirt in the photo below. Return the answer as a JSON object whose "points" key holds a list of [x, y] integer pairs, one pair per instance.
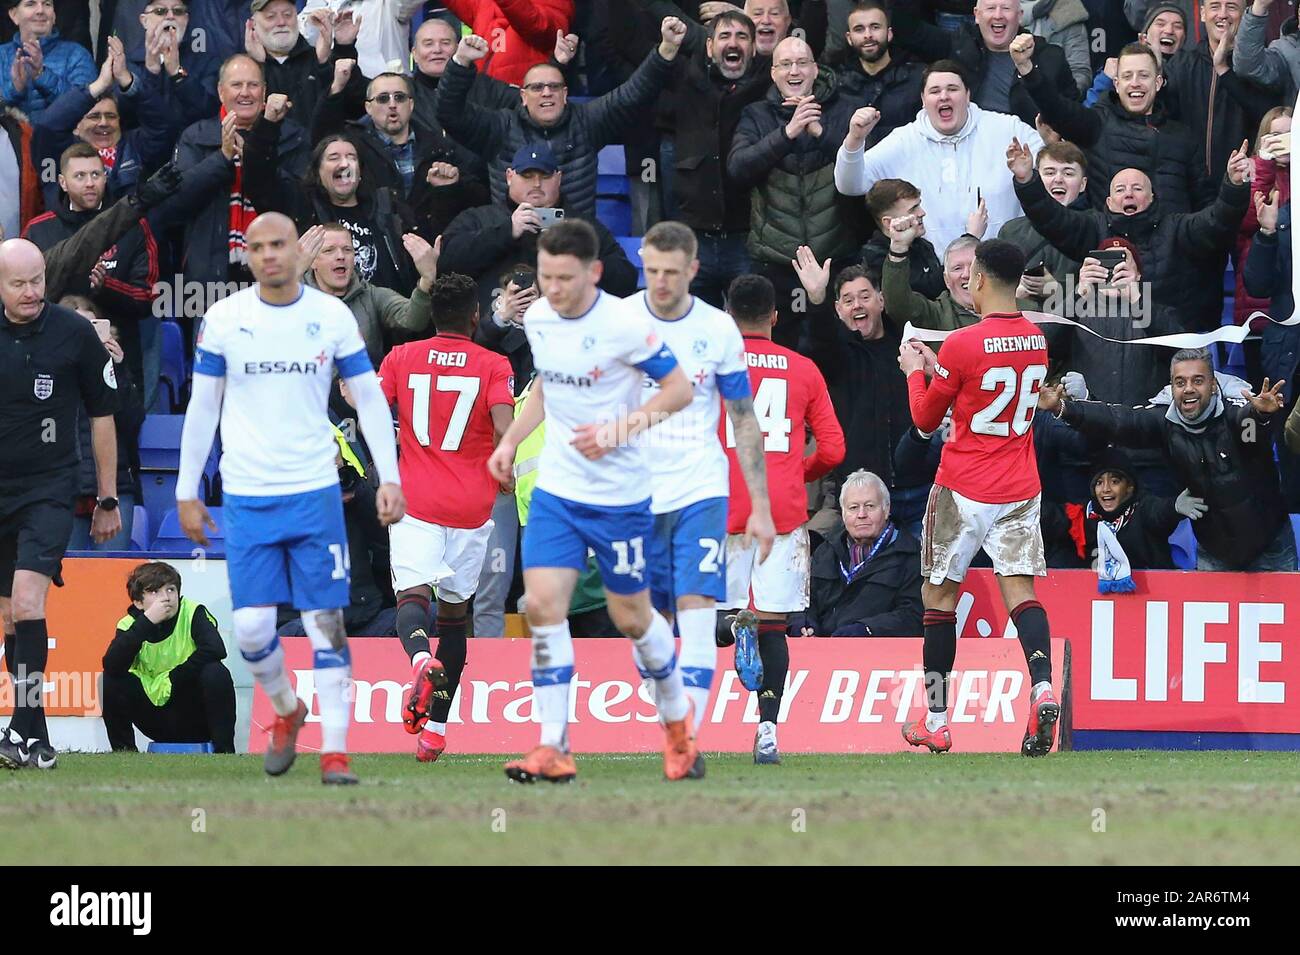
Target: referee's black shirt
{"points": [[48, 367]]}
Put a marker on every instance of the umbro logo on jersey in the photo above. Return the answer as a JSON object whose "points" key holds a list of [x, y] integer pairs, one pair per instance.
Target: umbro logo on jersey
{"points": [[313, 329], [700, 347], [588, 342]]}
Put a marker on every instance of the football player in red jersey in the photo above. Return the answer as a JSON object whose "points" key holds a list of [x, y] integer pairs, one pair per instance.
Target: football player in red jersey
{"points": [[987, 492], [789, 397], [454, 401]]}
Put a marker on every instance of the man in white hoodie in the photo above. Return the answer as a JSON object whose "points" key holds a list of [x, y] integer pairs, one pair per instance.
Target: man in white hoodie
{"points": [[950, 152]]}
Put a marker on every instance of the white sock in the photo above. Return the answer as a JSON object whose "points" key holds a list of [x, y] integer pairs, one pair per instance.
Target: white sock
{"points": [[698, 658], [552, 677], [333, 678], [418, 660], [261, 650], [439, 728], [935, 720], [658, 652], [1038, 690]]}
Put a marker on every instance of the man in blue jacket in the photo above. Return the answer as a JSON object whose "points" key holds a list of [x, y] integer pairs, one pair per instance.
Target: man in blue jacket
{"points": [[38, 64]]}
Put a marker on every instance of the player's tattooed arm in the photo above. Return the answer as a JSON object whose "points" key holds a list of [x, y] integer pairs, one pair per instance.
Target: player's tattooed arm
{"points": [[749, 445], [753, 465]]}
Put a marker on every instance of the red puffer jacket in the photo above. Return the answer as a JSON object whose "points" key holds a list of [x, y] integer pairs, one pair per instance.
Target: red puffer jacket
{"points": [[520, 33]]}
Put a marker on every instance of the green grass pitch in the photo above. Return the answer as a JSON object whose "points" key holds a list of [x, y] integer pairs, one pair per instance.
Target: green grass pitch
{"points": [[1156, 808]]}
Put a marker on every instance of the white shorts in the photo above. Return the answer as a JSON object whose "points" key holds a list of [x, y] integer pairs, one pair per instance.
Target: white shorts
{"points": [[779, 584], [956, 527], [448, 558]]}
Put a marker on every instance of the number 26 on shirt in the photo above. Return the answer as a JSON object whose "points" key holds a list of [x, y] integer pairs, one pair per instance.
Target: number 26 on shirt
{"points": [[1009, 383]]}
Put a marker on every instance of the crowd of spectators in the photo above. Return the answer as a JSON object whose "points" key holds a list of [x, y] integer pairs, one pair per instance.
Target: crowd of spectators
{"points": [[853, 152]]}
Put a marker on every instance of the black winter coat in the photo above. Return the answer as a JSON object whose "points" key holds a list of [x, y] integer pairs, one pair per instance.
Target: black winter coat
{"points": [[433, 208], [867, 388], [303, 78], [582, 130], [925, 267], [1236, 477], [1239, 104], [929, 43], [707, 110], [272, 163], [1114, 139], [1182, 254], [1268, 273], [884, 596], [486, 91], [1144, 535], [895, 91], [479, 243]]}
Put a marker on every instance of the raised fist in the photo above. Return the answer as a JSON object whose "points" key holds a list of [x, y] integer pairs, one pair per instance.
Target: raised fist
{"points": [[471, 48]]}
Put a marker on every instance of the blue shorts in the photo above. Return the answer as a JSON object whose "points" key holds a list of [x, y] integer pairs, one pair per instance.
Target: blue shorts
{"points": [[560, 531], [287, 549], [688, 553]]}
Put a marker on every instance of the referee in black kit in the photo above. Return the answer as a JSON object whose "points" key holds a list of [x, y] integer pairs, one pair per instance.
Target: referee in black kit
{"points": [[51, 361]]}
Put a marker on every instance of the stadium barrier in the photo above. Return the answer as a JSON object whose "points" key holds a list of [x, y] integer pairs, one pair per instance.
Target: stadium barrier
{"points": [[1190, 660]]}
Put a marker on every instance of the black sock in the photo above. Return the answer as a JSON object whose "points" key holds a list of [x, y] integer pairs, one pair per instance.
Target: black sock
{"points": [[775, 654], [31, 653], [413, 624], [938, 656], [1035, 638], [451, 654]]}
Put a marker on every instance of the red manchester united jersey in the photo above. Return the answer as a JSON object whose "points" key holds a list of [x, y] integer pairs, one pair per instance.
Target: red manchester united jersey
{"points": [[989, 373], [789, 396], [444, 388]]}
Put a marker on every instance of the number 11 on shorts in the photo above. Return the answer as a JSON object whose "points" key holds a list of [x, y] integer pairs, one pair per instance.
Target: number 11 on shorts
{"points": [[637, 565]]}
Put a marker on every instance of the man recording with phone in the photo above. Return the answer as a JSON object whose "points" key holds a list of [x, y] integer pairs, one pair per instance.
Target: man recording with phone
{"points": [[492, 241]]}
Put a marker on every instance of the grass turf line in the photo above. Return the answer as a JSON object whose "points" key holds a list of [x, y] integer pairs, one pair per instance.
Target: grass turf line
{"points": [[1160, 808]]}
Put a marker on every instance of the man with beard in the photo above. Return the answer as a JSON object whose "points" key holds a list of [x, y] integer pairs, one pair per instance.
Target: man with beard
{"points": [[875, 76], [121, 284], [1127, 128], [719, 81], [1209, 438], [438, 178], [1201, 74], [298, 69]]}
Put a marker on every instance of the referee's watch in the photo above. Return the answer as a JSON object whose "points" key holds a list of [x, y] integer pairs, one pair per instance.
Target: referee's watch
{"points": [[107, 504]]}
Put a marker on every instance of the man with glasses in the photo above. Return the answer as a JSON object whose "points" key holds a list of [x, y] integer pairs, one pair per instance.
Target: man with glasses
{"points": [[436, 176], [167, 63], [784, 152], [575, 132]]}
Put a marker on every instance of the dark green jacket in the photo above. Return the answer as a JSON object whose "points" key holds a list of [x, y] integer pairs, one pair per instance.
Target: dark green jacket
{"points": [[793, 200]]}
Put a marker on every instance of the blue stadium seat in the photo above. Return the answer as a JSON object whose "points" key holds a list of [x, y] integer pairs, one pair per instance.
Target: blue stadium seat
{"points": [[160, 441], [1182, 544], [611, 161], [1295, 528], [615, 215], [181, 749], [159, 489], [171, 539], [175, 364], [140, 528]]}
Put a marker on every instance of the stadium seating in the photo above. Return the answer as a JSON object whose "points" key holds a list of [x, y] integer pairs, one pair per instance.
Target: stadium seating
{"points": [[160, 441], [175, 370], [611, 172], [140, 538], [180, 749], [172, 540], [615, 214]]}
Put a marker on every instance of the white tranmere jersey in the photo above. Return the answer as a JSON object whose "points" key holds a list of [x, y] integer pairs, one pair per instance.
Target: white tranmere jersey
{"points": [[686, 458], [591, 369], [278, 362]]}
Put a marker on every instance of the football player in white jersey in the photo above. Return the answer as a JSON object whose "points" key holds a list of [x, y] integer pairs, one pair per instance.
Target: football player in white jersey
{"points": [[687, 462], [591, 351], [262, 370]]}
